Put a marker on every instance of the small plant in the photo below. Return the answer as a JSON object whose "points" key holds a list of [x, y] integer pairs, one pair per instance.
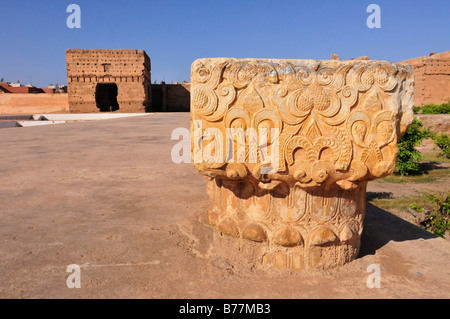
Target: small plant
{"points": [[408, 156], [434, 216], [416, 109], [443, 142]]}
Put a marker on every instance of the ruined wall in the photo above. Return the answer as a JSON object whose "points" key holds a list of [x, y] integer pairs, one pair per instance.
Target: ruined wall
{"points": [[171, 97], [128, 69], [432, 78], [439, 123], [21, 103]]}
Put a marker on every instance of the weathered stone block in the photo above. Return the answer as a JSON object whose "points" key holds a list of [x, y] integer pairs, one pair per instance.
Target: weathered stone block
{"points": [[289, 146]]}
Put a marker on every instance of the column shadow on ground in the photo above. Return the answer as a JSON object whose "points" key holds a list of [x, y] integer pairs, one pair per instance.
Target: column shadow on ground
{"points": [[381, 227]]}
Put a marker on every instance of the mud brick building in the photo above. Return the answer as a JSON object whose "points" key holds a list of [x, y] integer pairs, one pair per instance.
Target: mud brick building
{"points": [[105, 80]]}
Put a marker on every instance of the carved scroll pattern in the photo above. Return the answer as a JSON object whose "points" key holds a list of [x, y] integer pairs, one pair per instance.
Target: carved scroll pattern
{"points": [[343, 112]]}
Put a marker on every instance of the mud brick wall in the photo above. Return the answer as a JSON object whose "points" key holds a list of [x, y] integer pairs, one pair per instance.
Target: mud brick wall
{"points": [[171, 97], [30, 103], [432, 78]]}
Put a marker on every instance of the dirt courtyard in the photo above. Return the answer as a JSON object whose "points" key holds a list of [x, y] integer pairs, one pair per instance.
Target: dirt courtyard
{"points": [[105, 195]]}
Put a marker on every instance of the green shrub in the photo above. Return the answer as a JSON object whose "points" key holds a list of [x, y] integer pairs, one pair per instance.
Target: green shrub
{"points": [[434, 109], [416, 109], [408, 156], [434, 216], [443, 142]]}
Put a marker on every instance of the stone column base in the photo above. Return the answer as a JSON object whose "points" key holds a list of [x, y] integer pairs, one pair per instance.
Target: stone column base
{"points": [[313, 228]]}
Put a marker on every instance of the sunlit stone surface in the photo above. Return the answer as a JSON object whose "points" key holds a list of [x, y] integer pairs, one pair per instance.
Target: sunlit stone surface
{"points": [[289, 146]]}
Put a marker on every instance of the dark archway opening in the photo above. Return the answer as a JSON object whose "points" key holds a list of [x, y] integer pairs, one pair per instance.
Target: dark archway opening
{"points": [[106, 97]]}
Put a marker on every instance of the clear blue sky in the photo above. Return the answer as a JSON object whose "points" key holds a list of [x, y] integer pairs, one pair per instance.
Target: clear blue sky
{"points": [[34, 34]]}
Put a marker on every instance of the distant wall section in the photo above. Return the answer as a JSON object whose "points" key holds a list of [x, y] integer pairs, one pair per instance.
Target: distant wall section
{"points": [[29, 103], [171, 97], [432, 78]]}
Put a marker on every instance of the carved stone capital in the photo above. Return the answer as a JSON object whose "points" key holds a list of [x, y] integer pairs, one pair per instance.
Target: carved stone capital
{"points": [[289, 146]]}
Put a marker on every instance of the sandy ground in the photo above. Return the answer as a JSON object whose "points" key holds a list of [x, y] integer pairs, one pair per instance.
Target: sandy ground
{"points": [[106, 196], [410, 189]]}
